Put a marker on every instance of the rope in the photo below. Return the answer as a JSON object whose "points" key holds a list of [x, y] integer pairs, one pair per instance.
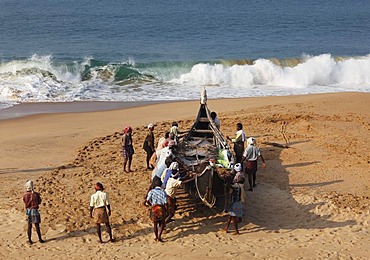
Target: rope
{"points": [[203, 199]]}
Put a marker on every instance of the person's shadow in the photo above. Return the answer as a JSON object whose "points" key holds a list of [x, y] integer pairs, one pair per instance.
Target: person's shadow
{"points": [[269, 207]]}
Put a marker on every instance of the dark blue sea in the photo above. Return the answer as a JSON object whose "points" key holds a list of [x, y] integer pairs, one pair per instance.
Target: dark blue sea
{"points": [[117, 50]]}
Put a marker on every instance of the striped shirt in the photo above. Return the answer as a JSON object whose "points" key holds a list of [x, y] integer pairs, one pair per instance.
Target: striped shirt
{"points": [[157, 196]]}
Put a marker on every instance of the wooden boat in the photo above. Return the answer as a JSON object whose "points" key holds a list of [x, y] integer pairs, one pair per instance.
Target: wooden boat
{"points": [[206, 152]]}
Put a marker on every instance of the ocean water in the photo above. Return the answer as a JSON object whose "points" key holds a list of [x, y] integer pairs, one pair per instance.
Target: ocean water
{"points": [[56, 51]]}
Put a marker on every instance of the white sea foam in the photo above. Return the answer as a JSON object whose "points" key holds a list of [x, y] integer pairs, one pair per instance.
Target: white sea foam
{"points": [[321, 70], [41, 79]]}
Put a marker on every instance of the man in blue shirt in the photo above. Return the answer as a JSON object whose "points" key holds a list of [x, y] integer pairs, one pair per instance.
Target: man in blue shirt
{"points": [[157, 199]]}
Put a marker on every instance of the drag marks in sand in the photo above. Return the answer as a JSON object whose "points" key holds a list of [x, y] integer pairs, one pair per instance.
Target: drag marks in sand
{"points": [[305, 204]]}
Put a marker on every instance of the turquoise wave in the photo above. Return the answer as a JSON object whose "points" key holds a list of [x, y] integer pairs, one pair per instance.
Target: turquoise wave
{"points": [[42, 78], [122, 73]]}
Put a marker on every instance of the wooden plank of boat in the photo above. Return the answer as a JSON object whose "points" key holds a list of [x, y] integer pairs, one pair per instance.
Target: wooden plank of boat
{"points": [[204, 142]]}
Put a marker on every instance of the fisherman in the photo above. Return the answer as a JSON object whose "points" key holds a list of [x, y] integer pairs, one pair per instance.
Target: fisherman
{"points": [[238, 142], [173, 168], [236, 208], [239, 174], [148, 146], [32, 200], [172, 186], [99, 203], [163, 141], [158, 180], [127, 148], [162, 156], [175, 131], [250, 155], [157, 199], [215, 119]]}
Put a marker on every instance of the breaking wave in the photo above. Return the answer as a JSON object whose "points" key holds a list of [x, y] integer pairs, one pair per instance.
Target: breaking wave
{"points": [[43, 79]]}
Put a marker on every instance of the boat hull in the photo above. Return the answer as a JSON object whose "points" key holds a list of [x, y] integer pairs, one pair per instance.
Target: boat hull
{"points": [[199, 153]]}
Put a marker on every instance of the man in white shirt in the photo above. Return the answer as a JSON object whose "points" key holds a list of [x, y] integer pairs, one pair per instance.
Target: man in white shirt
{"points": [[99, 203], [172, 185], [250, 155]]}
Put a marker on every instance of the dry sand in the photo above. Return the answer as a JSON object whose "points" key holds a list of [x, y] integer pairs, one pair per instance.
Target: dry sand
{"points": [[311, 202]]}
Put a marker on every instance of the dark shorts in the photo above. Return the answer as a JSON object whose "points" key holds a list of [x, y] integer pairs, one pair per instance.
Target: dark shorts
{"points": [[128, 152], [33, 216], [239, 150]]}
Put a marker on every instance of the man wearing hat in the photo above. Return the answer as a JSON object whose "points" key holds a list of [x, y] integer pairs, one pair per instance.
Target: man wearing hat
{"points": [[250, 155], [148, 146], [32, 200], [99, 203]]}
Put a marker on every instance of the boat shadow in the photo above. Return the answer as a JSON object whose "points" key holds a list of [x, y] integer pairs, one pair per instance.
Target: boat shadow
{"points": [[271, 207]]}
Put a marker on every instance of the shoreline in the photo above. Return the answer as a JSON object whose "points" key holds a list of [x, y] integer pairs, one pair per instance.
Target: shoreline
{"points": [[41, 108], [29, 109]]}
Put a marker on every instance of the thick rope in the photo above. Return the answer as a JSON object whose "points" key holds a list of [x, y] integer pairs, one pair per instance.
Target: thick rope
{"points": [[203, 199]]}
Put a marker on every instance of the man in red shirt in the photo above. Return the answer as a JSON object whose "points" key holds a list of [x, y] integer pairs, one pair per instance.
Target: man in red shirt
{"points": [[32, 200]]}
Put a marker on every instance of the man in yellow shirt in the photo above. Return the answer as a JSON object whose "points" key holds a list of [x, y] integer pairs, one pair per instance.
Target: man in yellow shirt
{"points": [[238, 142]]}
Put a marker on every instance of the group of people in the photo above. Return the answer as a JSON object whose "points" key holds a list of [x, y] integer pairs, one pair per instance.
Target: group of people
{"points": [[148, 145], [246, 164], [99, 210], [247, 156], [166, 178], [165, 175]]}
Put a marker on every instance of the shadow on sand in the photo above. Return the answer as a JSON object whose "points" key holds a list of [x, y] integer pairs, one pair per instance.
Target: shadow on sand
{"points": [[268, 208]]}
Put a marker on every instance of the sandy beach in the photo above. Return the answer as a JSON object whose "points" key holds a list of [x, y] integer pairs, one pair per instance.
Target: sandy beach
{"points": [[311, 202]]}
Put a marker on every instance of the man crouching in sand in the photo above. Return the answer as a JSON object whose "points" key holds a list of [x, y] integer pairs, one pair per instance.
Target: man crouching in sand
{"points": [[99, 203]]}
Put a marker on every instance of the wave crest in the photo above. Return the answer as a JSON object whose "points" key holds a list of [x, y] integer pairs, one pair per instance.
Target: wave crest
{"points": [[41, 78], [322, 70]]}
